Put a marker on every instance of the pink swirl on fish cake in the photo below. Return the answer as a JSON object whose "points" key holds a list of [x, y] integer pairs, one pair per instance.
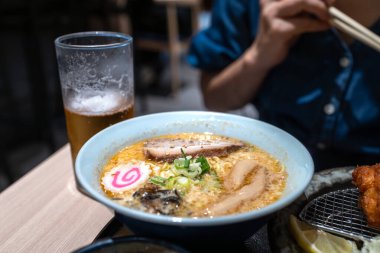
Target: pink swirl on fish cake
{"points": [[125, 177]]}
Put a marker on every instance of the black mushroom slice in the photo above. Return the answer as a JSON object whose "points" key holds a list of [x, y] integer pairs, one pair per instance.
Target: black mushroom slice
{"points": [[159, 201]]}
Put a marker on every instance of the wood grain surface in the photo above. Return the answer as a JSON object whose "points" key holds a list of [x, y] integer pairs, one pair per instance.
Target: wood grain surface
{"points": [[44, 212]]}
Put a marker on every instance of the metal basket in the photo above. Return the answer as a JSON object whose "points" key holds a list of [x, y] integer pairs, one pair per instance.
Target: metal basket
{"points": [[338, 212]]}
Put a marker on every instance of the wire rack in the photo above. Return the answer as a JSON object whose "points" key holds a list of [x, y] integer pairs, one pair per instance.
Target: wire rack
{"points": [[338, 212]]}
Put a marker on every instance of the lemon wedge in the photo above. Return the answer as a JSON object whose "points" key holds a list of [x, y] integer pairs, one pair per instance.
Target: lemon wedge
{"points": [[313, 240], [371, 246]]}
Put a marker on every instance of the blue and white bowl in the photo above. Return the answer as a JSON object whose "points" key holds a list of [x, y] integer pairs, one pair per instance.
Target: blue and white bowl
{"points": [[288, 150]]}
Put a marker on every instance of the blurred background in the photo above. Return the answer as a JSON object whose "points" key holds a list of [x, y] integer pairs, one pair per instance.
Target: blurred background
{"points": [[32, 124]]}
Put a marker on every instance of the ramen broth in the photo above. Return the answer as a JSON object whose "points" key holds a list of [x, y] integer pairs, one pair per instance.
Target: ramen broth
{"points": [[129, 177]]}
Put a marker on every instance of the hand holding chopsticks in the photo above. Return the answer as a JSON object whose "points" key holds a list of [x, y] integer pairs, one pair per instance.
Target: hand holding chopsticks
{"points": [[348, 25]]}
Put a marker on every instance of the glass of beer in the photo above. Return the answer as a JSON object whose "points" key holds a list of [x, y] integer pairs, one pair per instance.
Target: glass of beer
{"points": [[96, 75]]}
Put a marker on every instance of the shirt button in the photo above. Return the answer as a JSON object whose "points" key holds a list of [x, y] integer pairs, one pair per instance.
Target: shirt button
{"points": [[344, 62], [329, 109], [321, 145]]}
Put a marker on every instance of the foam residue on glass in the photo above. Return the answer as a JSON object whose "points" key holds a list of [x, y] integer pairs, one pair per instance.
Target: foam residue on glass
{"points": [[92, 86]]}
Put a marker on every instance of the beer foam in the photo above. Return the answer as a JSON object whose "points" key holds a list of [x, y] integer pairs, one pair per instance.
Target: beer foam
{"points": [[101, 103]]}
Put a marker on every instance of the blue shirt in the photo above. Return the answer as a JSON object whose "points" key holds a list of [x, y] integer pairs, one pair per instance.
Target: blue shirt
{"points": [[326, 93]]}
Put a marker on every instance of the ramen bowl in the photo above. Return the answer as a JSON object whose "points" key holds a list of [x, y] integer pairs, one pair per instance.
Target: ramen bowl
{"points": [[229, 228]]}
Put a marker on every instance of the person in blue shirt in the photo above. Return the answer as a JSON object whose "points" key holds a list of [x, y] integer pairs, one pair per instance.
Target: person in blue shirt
{"points": [[302, 75]]}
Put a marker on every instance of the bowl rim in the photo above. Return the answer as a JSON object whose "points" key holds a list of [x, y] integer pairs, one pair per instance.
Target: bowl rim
{"points": [[284, 201], [107, 242]]}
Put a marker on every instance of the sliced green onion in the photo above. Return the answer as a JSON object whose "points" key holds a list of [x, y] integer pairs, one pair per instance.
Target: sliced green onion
{"points": [[205, 166], [182, 184], [183, 153], [170, 182], [187, 163], [157, 180], [179, 163], [194, 166], [186, 158], [188, 167], [187, 173], [183, 180]]}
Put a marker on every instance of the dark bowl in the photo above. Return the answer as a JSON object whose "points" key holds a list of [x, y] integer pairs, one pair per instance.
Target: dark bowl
{"points": [[131, 244]]}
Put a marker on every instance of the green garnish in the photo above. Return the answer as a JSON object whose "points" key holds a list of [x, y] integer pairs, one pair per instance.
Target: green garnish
{"points": [[204, 164], [191, 169], [180, 163], [187, 171], [157, 180], [187, 163], [182, 184], [183, 153], [186, 160]]}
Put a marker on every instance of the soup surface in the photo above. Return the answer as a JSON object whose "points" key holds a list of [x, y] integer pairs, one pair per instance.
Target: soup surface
{"points": [[193, 175]]}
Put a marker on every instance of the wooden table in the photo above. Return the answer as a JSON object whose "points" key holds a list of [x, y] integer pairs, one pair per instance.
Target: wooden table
{"points": [[44, 212]]}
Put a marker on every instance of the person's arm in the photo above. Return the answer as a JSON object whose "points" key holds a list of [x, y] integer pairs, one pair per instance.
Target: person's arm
{"points": [[281, 23], [235, 85]]}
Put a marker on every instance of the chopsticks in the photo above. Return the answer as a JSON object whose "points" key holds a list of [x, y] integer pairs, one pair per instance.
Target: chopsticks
{"points": [[348, 25]]}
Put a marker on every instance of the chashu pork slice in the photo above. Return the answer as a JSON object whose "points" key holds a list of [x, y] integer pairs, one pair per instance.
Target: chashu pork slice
{"points": [[163, 149]]}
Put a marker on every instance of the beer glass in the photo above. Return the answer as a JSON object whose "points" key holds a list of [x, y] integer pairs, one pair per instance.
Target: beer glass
{"points": [[96, 75]]}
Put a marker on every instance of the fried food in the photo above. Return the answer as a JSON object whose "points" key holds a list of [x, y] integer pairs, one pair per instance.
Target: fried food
{"points": [[367, 179]]}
